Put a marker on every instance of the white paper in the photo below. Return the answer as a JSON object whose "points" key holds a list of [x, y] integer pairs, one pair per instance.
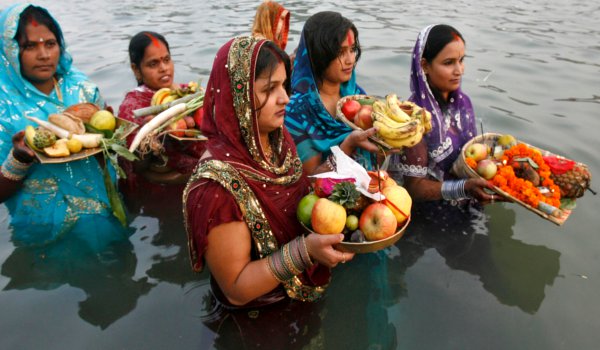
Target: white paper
{"points": [[349, 168]]}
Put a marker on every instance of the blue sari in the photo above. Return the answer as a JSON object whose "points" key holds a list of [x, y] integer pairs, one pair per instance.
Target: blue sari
{"points": [[55, 200], [314, 130]]}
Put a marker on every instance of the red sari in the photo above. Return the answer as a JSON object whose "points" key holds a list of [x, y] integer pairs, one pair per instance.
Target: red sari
{"points": [[235, 182]]}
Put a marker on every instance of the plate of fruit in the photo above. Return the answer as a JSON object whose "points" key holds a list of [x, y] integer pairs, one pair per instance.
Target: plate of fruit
{"points": [[337, 206], [82, 130], [539, 180], [399, 123]]}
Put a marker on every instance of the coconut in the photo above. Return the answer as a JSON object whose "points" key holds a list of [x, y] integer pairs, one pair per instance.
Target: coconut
{"points": [[83, 111]]}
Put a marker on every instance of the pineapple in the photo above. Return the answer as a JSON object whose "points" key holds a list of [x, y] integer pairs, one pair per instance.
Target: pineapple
{"points": [[43, 138], [346, 195], [574, 182]]}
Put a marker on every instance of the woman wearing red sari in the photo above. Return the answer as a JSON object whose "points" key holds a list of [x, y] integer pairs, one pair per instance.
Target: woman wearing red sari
{"points": [[153, 68], [240, 203]]}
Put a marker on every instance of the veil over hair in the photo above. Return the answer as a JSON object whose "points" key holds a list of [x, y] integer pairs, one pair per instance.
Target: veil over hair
{"points": [[235, 181]]}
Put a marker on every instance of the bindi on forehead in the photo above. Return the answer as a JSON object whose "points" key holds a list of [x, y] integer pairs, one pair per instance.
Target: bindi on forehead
{"points": [[34, 22]]}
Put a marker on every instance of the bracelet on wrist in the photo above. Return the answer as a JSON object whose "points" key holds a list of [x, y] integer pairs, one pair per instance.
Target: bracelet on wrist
{"points": [[14, 169], [289, 261], [454, 190]]}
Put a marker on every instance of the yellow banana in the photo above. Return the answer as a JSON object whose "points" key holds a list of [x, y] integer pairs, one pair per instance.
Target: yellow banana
{"points": [[387, 133], [403, 127], [159, 96], [379, 107], [409, 141], [425, 117], [394, 110]]}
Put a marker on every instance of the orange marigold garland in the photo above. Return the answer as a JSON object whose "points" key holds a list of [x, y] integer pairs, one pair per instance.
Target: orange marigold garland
{"points": [[522, 189], [472, 163]]}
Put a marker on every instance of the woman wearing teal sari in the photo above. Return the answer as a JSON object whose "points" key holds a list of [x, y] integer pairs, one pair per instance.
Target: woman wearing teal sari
{"points": [[324, 73], [46, 201]]}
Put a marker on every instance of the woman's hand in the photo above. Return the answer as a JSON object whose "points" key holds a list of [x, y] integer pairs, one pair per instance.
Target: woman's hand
{"points": [[320, 248], [475, 188], [360, 139], [21, 151]]}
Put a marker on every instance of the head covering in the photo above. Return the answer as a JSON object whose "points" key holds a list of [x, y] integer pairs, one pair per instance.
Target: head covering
{"points": [[267, 194], [459, 112], [55, 197], [314, 130], [272, 22]]}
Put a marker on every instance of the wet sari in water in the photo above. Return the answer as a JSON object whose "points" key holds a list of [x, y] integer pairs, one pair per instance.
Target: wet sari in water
{"points": [[56, 199], [235, 182]]}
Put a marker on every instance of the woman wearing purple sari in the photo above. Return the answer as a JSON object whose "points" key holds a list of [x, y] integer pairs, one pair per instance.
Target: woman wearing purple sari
{"points": [[436, 71]]}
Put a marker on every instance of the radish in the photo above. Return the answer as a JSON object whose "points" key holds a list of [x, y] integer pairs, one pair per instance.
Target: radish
{"points": [[155, 123]]}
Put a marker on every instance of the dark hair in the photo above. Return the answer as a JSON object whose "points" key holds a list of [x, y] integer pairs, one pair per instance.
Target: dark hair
{"points": [[40, 15], [439, 36], [139, 43], [269, 56], [324, 33]]}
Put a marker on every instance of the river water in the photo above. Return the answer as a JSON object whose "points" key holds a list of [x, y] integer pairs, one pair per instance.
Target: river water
{"points": [[506, 279]]}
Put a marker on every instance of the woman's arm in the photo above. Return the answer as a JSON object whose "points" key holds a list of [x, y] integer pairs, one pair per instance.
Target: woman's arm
{"points": [[15, 167], [243, 280], [423, 189], [356, 139]]}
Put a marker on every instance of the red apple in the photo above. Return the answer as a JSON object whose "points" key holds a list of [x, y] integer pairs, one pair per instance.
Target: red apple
{"points": [[350, 108], [486, 168], [177, 128], [363, 118], [328, 217], [377, 222], [198, 115], [477, 151]]}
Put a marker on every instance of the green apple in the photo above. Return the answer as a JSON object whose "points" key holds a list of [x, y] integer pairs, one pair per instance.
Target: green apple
{"points": [[507, 141], [477, 151], [352, 222], [486, 168], [305, 207]]}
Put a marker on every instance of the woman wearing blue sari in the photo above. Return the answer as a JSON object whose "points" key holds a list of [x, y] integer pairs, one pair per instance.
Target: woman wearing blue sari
{"points": [[323, 73], [46, 201]]}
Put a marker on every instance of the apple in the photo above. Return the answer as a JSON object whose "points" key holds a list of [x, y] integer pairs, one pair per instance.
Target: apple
{"points": [[305, 207], [377, 222], [328, 217], [189, 121], [177, 128], [487, 168], [352, 222], [476, 151], [507, 141], [363, 118], [198, 115], [399, 202], [350, 108]]}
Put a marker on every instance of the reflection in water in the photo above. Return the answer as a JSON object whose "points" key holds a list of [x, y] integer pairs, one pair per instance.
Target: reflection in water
{"points": [[106, 277], [516, 273]]}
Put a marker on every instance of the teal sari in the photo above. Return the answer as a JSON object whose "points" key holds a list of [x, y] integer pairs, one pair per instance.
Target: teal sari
{"points": [[314, 130], [55, 200]]}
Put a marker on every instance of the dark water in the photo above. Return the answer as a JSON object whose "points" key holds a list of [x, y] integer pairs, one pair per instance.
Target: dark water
{"points": [[504, 279]]}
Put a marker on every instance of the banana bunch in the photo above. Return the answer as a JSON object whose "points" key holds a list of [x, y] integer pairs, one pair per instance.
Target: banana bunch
{"points": [[166, 95], [400, 124]]}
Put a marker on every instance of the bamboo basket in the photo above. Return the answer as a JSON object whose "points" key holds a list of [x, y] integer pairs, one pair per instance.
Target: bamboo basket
{"points": [[462, 170]]}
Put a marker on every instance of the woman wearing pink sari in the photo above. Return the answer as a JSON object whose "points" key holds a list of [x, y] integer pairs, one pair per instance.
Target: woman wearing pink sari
{"points": [[240, 203]]}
